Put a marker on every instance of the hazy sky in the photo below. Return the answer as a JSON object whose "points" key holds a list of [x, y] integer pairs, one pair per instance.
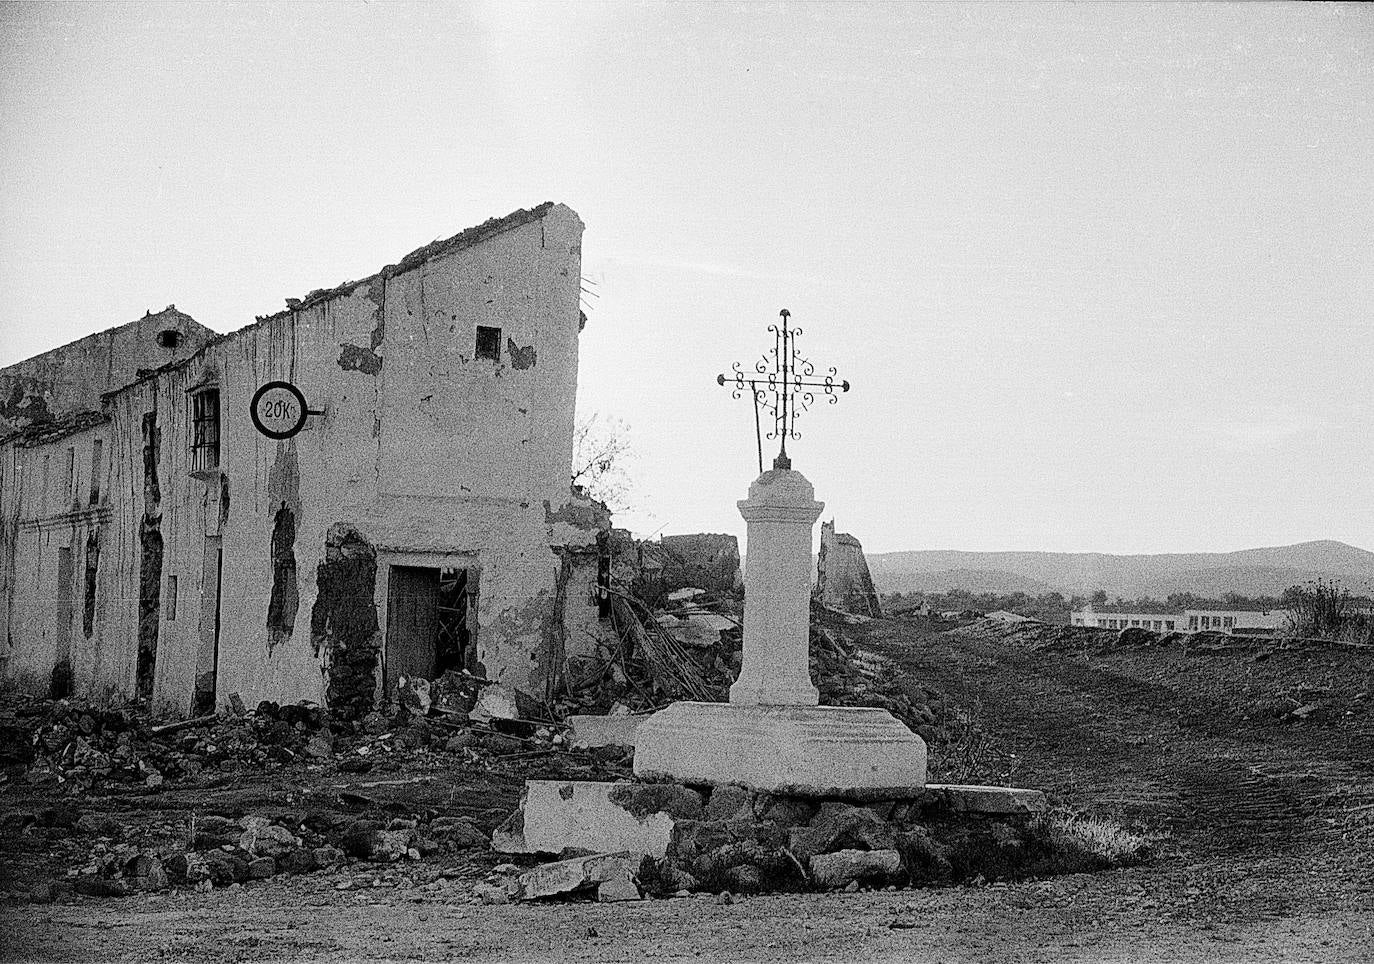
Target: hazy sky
{"points": [[1102, 274]]}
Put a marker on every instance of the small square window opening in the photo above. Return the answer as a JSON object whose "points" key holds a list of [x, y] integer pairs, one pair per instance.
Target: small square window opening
{"points": [[488, 342]]}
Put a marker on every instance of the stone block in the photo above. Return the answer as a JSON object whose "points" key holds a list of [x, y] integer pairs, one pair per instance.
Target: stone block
{"points": [[590, 732], [993, 801], [567, 876], [597, 817], [617, 889], [842, 752], [845, 867]]}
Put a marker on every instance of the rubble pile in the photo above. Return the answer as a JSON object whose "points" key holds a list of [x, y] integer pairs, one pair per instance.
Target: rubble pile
{"points": [[1036, 635], [690, 650], [80, 744], [218, 851], [848, 675], [731, 840]]}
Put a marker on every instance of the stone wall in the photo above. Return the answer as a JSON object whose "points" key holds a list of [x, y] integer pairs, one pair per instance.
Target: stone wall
{"points": [[842, 577]]}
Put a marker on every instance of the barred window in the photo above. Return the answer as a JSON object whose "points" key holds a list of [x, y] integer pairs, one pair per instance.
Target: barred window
{"points": [[205, 430]]}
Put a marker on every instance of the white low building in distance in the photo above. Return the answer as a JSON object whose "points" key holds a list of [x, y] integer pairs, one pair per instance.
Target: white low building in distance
{"points": [[1227, 621]]}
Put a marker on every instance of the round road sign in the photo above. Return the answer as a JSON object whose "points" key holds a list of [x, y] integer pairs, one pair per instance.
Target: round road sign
{"points": [[278, 410]]}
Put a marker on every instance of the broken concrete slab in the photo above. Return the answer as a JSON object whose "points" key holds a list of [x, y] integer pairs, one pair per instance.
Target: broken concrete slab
{"points": [[994, 801], [567, 876], [603, 817], [589, 732]]}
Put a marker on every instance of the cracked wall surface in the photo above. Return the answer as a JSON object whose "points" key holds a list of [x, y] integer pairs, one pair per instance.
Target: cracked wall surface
{"points": [[423, 450]]}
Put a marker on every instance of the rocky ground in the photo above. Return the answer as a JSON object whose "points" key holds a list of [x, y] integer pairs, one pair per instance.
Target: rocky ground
{"points": [[1268, 854]]}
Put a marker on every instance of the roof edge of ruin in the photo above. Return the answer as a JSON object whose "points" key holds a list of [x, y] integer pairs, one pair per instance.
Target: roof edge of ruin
{"points": [[42, 433], [467, 238]]}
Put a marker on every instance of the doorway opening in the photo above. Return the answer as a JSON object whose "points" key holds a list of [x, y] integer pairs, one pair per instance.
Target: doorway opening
{"points": [[429, 622], [60, 686]]}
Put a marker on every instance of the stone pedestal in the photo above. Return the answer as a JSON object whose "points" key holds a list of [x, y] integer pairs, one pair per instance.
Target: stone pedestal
{"points": [[780, 512], [772, 736], [836, 752]]}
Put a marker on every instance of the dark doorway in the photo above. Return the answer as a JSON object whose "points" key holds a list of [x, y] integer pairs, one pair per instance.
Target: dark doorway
{"points": [[427, 623], [204, 699], [62, 673]]}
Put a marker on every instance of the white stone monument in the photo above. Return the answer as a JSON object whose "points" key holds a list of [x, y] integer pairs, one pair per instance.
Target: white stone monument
{"points": [[772, 735]]}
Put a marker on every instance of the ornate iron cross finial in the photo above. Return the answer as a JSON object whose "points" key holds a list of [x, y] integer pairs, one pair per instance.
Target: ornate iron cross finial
{"points": [[790, 379]]}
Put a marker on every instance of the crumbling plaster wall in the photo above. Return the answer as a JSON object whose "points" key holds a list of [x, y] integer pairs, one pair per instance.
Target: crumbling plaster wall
{"points": [[423, 449], [72, 378], [41, 512]]}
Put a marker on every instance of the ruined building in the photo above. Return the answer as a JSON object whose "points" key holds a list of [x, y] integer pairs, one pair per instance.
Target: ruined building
{"points": [[842, 577], [155, 542]]}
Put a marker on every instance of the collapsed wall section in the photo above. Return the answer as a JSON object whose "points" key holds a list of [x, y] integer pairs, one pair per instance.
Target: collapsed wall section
{"points": [[842, 578]]}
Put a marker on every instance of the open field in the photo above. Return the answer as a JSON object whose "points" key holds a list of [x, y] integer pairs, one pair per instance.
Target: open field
{"points": [[1268, 854]]}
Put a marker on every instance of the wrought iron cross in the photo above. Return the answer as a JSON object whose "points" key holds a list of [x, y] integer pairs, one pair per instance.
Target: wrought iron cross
{"points": [[790, 379]]}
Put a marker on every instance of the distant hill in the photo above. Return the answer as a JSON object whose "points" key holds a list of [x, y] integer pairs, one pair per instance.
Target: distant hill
{"points": [[1251, 572], [974, 580]]}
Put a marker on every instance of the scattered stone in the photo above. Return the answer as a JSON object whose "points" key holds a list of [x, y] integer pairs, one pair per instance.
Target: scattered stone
{"points": [[566, 876], [490, 894]]}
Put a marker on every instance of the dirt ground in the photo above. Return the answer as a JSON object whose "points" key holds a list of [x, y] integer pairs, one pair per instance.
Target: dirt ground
{"points": [[1269, 853]]}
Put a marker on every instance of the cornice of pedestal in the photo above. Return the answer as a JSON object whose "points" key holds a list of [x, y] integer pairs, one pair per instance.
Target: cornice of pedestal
{"points": [[805, 513]]}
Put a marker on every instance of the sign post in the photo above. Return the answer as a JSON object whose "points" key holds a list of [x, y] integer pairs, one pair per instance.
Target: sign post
{"points": [[278, 410]]}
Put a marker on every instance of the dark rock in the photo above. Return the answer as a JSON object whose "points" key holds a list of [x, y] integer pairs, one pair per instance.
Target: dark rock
{"points": [[298, 862], [466, 740], [643, 799], [923, 859], [101, 887], [359, 839], [226, 868], [786, 811], [744, 879], [839, 826], [729, 802], [457, 832], [260, 868], [500, 744]]}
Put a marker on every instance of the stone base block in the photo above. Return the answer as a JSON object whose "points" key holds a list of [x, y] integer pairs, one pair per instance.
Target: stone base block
{"points": [[838, 752], [558, 815]]}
